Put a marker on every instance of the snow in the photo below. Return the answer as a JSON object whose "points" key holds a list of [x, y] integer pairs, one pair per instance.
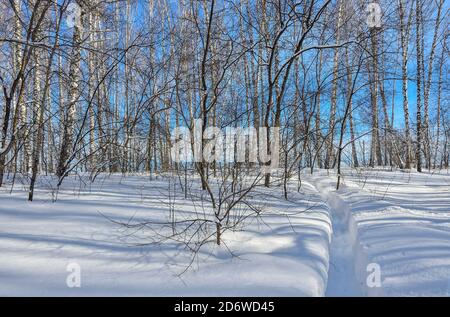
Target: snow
{"points": [[318, 243], [39, 239], [403, 223], [341, 275]]}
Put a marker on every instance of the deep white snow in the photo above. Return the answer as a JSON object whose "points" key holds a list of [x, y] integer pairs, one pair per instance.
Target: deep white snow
{"points": [[318, 243]]}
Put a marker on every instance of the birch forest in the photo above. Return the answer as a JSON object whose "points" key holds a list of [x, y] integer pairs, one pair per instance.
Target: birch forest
{"points": [[96, 90], [102, 92]]}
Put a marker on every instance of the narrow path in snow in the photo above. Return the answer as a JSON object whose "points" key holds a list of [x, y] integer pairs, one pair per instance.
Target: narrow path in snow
{"points": [[341, 274]]}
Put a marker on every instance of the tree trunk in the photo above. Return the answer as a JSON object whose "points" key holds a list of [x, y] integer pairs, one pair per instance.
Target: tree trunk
{"points": [[71, 111], [419, 86]]}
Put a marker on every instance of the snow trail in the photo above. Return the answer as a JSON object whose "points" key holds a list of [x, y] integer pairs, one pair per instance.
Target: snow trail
{"points": [[342, 279]]}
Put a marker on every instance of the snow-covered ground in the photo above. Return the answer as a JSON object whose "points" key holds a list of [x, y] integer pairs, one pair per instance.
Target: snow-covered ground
{"points": [[318, 243], [402, 223], [284, 253]]}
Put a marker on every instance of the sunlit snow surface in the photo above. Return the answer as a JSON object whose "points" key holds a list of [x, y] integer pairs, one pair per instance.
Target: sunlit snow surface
{"points": [[317, 243]]}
